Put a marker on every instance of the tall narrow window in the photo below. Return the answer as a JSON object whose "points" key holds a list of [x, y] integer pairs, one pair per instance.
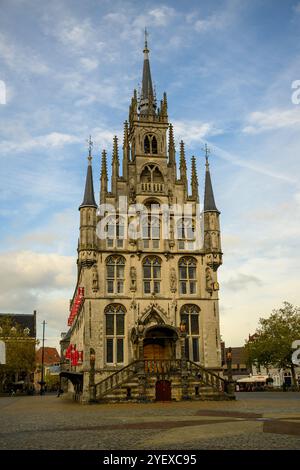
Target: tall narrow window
{"points": [[151, 227], [187, 275], [115, 232], [147, 144], [151, 274], [154, 144], [115, 266], [185, 233], [115, 332], [190, 316], [150, 144]]}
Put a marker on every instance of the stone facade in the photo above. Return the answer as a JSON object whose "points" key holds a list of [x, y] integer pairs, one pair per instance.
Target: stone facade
{"points": [[151, 297]]}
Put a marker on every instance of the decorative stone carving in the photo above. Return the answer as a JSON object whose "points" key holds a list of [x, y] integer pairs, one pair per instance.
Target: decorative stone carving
{"points": [[173, 280], [95, 280], [133, 278], [209, 280], [132, 193]]}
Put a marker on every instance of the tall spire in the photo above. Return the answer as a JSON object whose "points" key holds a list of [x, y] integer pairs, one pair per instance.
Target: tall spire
{"points": [[147, 102], [103, 178], [89, 198], [209, 200], [182, 167], [171, 146], [115, 165], [194, 180], [126, 155]]}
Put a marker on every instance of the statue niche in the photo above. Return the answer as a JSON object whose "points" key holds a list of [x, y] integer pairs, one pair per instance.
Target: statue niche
{"points": [[95, 279], [209, 280], [133, 279]]}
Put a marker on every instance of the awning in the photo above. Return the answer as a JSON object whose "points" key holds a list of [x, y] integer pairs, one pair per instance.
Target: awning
{"points": [[253, 379], [75, 377]]}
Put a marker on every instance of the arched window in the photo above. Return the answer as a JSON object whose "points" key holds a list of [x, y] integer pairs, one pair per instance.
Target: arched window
{"points": [[154, 144], [150, 144], [115, 231], [147, 144], [189, 315], [187, 275], [115, 332], [152, 179], [150, 223], [151, 274], [115, 274]]}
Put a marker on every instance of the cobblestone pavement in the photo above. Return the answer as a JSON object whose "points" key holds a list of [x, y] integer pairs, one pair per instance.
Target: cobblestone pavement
{"points": [[253, 421]]}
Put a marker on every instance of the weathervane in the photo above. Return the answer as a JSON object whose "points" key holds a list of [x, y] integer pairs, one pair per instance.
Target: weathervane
{"points": [[91, 143], [206, 149], [146, 42]]}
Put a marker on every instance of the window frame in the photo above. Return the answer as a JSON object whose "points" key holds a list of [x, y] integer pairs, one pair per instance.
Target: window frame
{"points": [[187, 263], [154, 281], [115, 279], [115, 338], [188, 312]]}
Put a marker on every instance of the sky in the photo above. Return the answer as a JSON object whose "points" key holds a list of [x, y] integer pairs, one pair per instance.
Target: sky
{"points": [[68, 69]]}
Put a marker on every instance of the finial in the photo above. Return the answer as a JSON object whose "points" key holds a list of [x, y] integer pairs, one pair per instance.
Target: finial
{"points": [[91, 143], [206, 149], [146, 42]]}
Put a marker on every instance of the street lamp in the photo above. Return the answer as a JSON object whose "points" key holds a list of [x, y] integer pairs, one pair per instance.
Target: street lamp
{"points": [[42, 382]]}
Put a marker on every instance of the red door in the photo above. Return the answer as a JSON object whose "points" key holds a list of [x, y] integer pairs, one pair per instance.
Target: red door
{"points": [[163, 390]]}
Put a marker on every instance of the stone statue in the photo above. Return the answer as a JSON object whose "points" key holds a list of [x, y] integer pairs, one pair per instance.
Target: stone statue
{"points": [[173, 280], [132, 192], [209, 280], [133, 278], [95, 278]]}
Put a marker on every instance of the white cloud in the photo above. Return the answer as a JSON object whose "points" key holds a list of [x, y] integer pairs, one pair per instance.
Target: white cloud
{"points": [[76, 35], [193, 131], [21, 58], [89, 64], [261, 121], [51, 140], [161, 16], [27, 270], [296, 8]]}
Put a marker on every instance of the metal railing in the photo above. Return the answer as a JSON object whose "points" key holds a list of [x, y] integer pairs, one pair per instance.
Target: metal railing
{"points": [[155, 367]]}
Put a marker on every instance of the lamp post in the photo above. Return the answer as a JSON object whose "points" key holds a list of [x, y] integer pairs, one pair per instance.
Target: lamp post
{"points": [[230, 386], [42, 383]]}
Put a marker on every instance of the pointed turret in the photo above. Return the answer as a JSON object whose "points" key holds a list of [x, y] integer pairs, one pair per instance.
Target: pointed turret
{"points": [[182, 167], [126, 151], [147, 102], [87, 239], [115, 166], [209, 200], [171, 146], [194, 180], [89, 197], [212, 236], [103, 178]]}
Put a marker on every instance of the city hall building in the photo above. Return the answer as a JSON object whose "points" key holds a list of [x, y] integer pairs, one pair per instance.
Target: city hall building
{"points": [[144, 318]]}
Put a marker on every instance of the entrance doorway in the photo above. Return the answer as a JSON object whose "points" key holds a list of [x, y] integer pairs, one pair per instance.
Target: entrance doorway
{"points": [[163, 390]]}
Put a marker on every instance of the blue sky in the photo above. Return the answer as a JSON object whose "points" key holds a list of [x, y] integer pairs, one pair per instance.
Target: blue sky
{"points": [[69, 68]]}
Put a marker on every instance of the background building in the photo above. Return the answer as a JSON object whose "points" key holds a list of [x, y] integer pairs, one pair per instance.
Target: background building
{"points": [[18, 331]]}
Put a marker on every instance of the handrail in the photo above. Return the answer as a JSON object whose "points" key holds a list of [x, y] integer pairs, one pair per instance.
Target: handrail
{"points": [[154, 367]]}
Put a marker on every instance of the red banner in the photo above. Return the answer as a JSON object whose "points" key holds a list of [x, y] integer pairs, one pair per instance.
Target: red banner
{"points": [[74, 355], [76, 305]]}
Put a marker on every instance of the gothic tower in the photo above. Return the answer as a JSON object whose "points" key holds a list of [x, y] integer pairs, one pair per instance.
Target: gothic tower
{"points": [[146, 298]]}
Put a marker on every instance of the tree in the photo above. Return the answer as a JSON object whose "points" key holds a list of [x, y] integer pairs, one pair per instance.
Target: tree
{"points": [[20, 351], [272, 342]]}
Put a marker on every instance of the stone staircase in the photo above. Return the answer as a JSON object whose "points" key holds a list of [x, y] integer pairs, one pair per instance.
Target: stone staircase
{"points": [[137, 380]]}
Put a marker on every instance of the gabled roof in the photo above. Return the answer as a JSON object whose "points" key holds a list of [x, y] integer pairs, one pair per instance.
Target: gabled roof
{"points": [[51, 356], [23, 320]]}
